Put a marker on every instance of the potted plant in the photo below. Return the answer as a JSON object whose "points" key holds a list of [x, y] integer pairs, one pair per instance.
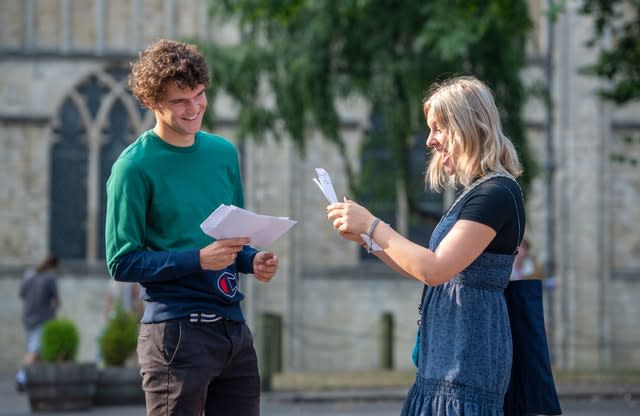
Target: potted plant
{"points": [[59, 382], [59, 342], [119, 382], [119, 339]]}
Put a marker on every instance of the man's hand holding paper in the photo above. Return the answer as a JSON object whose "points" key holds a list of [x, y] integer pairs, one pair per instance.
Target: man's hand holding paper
{"points": [[229, 221], [221, 253]]}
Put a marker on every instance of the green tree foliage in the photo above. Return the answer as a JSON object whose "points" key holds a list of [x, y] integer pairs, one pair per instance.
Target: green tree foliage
{"points": [[311, 53], [618, 62]]}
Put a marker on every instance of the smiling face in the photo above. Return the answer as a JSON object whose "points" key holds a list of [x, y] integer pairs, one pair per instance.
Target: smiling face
{"points": [[179, 113], [438, 142], [465, 135]]}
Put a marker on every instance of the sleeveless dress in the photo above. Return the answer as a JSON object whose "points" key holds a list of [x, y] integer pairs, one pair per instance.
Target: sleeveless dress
{"points": [[464, 363]]}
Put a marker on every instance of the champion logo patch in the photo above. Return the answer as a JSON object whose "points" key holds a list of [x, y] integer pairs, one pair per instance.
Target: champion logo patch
{"points": [[228, 284]]}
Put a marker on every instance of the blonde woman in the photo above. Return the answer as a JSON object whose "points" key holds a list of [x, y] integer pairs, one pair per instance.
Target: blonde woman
{"points": [[464, 343]]}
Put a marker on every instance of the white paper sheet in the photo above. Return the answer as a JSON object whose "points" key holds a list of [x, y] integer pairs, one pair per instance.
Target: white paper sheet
{"points": [[229, 221], [326, 186], [324, 183]]}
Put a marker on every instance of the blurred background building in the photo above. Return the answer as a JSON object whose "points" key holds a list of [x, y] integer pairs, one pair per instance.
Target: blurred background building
{"points": [[65, 115]]}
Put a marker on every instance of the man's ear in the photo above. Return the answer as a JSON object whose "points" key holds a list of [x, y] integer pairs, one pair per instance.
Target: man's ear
{"points": [[149, 105]]}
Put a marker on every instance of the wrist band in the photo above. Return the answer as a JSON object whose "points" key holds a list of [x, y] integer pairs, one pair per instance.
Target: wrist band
{"points": [[372, 228]]}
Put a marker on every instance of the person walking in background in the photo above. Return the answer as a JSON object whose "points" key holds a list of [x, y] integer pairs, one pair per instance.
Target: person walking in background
{"points": [[523, 267], [464, 347], [195, 350], [39, 294]]}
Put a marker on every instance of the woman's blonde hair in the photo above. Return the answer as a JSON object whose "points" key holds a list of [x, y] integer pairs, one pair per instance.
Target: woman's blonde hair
{"points": [[465, 107]]}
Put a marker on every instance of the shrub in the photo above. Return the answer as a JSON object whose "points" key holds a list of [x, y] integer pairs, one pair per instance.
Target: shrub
{"points": [[59, 341], [119, 339]]}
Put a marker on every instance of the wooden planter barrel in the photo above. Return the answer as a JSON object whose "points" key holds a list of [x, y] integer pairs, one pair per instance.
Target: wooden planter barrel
{"points": [[119, 386], [61, 386]]}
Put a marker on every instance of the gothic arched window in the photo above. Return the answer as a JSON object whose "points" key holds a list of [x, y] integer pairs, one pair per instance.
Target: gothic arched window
{"points": [[95, 122]]}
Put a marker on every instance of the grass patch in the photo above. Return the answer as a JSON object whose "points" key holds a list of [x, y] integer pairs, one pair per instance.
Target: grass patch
{"points": [[333, 380], [589, 376]]}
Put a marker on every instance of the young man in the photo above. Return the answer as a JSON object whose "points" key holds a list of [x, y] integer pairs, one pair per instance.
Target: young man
{"points": [[196, 353]]}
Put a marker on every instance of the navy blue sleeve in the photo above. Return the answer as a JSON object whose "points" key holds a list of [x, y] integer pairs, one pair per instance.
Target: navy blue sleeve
{"points": [[156, 266], [245, 259]]}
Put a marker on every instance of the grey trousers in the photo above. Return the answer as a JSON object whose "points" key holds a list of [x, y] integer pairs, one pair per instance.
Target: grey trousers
{"points": [[195, 369]]}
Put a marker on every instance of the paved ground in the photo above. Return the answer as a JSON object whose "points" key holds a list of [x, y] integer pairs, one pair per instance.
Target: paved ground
{"points": [[576, 400]]}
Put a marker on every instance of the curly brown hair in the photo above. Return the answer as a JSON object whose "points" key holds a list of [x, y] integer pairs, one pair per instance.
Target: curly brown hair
{"points": [[163, 61]]}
